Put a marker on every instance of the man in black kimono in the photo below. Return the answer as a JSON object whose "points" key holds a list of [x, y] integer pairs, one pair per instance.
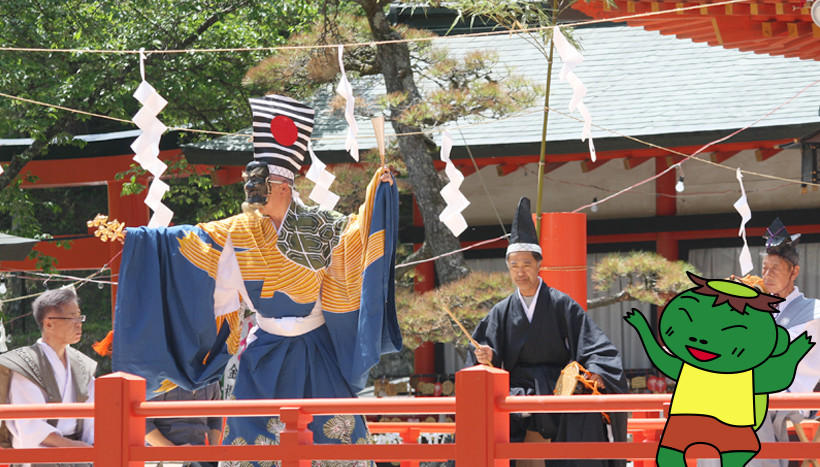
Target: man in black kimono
{"points": [[537, 331]]}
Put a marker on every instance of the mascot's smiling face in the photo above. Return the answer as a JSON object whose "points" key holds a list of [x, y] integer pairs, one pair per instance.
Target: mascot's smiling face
{"points": [[703, 327]]}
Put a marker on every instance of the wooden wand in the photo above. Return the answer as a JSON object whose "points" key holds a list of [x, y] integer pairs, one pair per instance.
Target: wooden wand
{"points": [[461, 326]]}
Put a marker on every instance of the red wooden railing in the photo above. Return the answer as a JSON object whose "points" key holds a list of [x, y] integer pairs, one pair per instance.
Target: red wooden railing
{"points": [[481, 428]]}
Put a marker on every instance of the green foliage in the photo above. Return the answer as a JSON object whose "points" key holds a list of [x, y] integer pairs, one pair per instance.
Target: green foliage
{"points": [[511, 14], [649, 277], [422, 317], [203, 90], [520, 16], [453, 87], [19, 216], [301, 72], [192, 195]]}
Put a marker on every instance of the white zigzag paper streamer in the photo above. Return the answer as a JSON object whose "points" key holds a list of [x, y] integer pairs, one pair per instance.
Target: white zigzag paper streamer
{"points": [[742, 207], [146, 147], [572, 58], [455, 201], [346, 90], [317, 174], [3, 347]]}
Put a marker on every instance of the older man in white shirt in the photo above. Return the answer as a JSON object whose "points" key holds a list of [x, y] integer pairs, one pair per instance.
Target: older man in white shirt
{"points": [[50, 371]]}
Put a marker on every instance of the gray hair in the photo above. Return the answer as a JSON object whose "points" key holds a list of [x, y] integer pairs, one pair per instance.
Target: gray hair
{"points": [[51, 300]]}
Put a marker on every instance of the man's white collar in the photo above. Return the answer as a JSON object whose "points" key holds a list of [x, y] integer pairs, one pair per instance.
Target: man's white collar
{"points": [[529, 310]]}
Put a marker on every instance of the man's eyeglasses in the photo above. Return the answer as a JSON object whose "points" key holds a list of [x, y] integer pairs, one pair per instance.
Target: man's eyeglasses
{"points": [[79, 319]]}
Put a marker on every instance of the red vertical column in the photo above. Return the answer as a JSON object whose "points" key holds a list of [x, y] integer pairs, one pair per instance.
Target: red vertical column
{"points": [[295, 435], [424, 360], [116, 428], [564, 248], [479, 423], [133, 212], [666, 204]]}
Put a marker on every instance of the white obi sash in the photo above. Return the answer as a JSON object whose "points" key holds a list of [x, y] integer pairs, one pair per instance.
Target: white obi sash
{"points": [[289, 326]]}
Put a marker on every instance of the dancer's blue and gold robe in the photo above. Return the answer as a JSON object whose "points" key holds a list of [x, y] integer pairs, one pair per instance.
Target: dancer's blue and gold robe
{"points": [[176, 282]]}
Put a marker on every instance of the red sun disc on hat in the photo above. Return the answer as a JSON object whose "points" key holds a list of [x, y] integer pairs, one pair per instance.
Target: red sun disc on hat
{"points": [[284, 130]]}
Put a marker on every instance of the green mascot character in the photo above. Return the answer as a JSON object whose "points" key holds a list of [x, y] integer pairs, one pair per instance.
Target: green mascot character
{"points": [[727, 354]]}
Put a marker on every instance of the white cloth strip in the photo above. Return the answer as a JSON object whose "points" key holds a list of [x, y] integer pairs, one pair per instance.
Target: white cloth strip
{"points": [[146, 150], [3, 347], [345, 90], [229, 285], [291, 326], [572, 58], [742, 207], [318, 174], [455, 201]]}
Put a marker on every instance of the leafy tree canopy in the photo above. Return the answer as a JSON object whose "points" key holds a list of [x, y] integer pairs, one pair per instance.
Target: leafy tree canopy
{"points": [[453, 87], [204, 90]]}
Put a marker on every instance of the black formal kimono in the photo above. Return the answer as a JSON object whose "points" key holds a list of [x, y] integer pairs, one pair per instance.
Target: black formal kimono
{"points": [[535, 352]]}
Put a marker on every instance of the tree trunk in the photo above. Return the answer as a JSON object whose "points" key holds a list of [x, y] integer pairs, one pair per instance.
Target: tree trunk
{"points": [[394, 60]]}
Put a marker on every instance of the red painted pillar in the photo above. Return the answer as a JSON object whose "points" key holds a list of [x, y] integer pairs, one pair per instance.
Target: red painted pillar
{"points": [[116, 428], [411, 436], [666, 204], [667, 246], [131, 210], [479, 425], [424, 360], [295, 434], [564, 246]]}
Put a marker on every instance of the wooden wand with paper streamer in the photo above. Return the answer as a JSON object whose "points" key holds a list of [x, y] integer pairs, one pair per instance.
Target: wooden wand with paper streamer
{"points": [[464, 330], [378, 130]]}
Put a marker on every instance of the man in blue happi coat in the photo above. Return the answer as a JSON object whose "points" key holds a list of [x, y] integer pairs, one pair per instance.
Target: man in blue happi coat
{"points": [[321, 285]]}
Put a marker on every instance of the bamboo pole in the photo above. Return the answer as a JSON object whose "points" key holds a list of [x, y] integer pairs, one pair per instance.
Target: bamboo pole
{"points": [[543, 155]]}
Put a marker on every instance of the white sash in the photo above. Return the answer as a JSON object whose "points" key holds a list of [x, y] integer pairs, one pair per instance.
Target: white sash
{"points": [[289, 326]]}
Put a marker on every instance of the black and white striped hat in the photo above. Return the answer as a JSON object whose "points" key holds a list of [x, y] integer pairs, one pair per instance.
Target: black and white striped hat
{"points": [[281, 131]]}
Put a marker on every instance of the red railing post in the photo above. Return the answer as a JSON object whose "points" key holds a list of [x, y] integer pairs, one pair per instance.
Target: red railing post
{"points": [[479, 425], [116, 427], [296, 433], [410, 436]]}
